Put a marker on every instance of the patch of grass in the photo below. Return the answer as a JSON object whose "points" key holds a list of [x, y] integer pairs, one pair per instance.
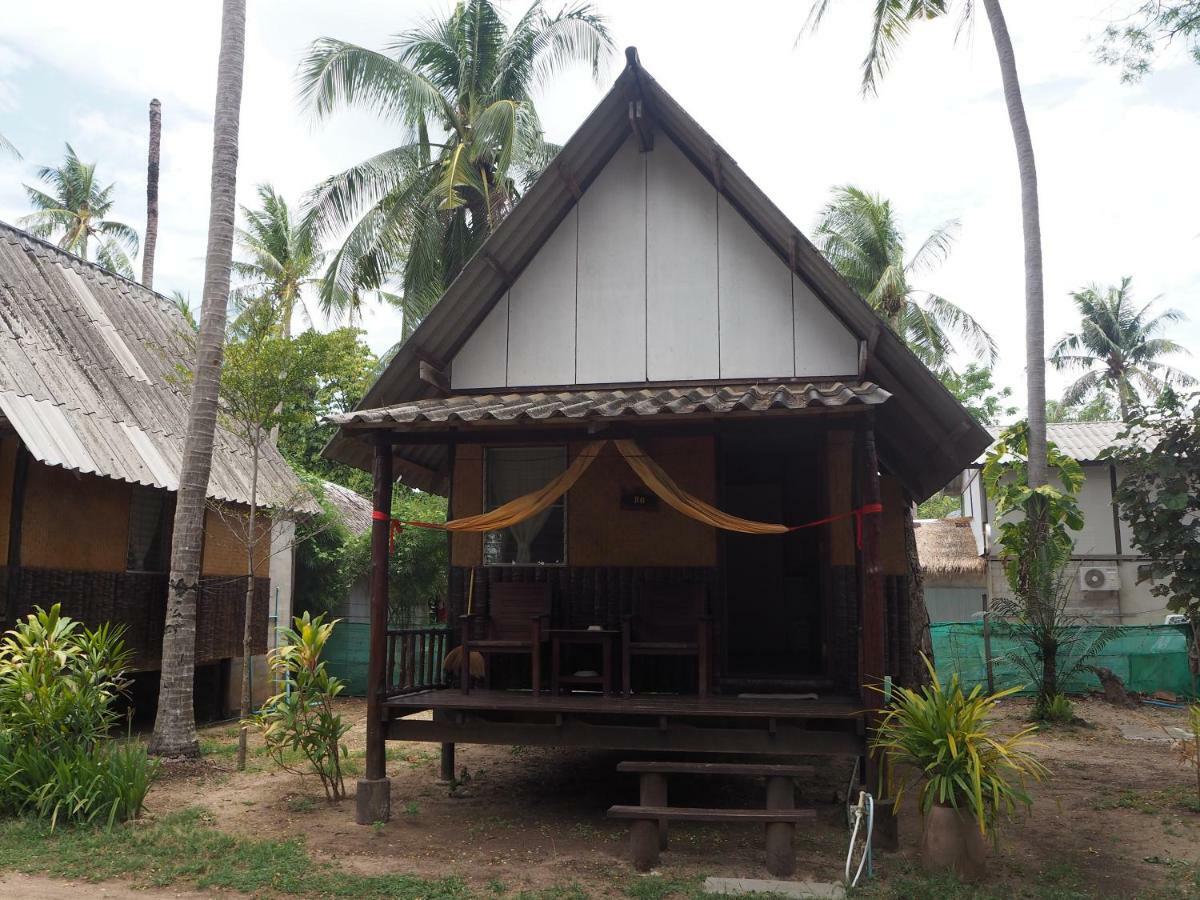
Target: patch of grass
{"points": [[301, 804], [215, 747], [555, 892], [497, 887], [1142, 801], [412, 808], [185, 849]]}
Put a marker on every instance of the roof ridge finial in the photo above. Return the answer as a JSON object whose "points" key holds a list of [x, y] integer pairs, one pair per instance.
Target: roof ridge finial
{"points": [[631, 58]]}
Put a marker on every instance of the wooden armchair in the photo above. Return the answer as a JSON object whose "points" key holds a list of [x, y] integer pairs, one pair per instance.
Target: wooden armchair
{"points": [[518, 616], [667, 620]]}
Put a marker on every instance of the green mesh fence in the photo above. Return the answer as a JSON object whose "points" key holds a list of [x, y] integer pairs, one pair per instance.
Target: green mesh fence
{"points": [[1147, 658], [346, 654]]}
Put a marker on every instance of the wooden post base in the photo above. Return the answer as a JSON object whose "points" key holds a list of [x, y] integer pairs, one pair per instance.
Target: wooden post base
{"points": [[781, 848], [885, 835], [781, 836], [643, 844], [373, 801], [654, 793], [446, 767]]}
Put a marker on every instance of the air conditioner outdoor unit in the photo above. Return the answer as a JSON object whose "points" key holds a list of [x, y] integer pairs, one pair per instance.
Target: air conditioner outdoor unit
{"points": [[1099, 578]]}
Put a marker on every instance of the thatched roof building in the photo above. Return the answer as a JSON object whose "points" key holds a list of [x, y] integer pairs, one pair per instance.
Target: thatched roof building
{"points": [[946, 548]]}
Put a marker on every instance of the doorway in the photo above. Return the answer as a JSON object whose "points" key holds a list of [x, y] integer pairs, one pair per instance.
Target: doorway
{"points": [[772, 612]]}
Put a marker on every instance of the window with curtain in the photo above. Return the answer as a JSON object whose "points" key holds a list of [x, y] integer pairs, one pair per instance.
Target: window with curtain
{"points": [[148, 545], [510, 473]]}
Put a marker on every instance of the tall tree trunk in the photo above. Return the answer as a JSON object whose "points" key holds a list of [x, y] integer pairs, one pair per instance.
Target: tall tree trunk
{"points": [[152, 195], [1035, 326], [912, 671], [248, 614], [175, 726]]}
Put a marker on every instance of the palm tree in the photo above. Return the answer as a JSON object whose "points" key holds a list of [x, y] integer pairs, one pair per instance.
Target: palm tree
{"points": [[282, 258], [461, 90], [859, 235], [1118, 348], [891, 21], [75, 214], [7, 147], [175, 725]]}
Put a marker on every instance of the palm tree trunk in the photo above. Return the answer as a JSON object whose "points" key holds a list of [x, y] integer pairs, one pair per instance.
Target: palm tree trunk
{"points": [[1035, 327], [175, 726], [152, 195], [248, 613]]}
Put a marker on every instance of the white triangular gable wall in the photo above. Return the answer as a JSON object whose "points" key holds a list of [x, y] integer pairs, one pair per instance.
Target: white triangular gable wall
{"points": [[653, 276]]}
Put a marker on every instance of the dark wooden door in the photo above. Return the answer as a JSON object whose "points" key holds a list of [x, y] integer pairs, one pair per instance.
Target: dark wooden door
{"points": [[758, 626]]}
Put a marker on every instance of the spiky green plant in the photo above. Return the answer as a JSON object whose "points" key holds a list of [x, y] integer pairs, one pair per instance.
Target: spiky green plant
{"points": [[300, 718], [944, 739]]}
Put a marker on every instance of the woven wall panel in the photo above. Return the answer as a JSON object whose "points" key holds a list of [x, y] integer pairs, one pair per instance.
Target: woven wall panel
{"points": [[138, 600]]}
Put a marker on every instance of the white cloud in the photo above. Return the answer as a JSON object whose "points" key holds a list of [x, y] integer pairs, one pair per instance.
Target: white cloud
{"points": [[1115, 162]]}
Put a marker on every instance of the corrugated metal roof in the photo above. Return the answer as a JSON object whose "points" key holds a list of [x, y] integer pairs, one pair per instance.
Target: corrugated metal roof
{"points": [[1082, 441], [89, 377], [925, 435], [618, 402]]}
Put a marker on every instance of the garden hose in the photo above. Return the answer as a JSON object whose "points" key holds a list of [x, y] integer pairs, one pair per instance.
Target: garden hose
{"points": [[863, 810]]}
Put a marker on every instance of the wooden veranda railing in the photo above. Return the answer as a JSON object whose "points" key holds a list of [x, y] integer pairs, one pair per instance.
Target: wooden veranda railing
{"points": [[414, 659]]}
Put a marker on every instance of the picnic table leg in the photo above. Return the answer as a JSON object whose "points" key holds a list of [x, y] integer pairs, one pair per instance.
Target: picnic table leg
{"points": [[654, 793], [643, 844], [781, 836]]}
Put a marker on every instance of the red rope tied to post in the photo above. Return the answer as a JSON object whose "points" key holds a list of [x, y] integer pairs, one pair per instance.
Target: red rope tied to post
{"points": [[866, 509], [394, 528]]}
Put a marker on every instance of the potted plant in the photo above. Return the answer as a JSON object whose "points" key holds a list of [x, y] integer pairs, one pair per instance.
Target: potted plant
{"points": [[969, 777]]}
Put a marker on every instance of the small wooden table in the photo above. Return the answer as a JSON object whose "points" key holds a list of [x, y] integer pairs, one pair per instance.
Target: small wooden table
{"points": [[604, 637]]}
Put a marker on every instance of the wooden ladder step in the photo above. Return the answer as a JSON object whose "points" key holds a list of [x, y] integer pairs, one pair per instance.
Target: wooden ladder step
{"points": [[700, 814], [749, 770]]}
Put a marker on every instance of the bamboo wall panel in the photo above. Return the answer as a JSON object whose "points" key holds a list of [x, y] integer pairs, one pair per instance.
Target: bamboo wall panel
{"points": [[224, 543], [467, 549], [8, 462], [74, 521]]}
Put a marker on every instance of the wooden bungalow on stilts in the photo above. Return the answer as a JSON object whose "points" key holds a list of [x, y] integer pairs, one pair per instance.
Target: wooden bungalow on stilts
{"points": [[681, 456]]}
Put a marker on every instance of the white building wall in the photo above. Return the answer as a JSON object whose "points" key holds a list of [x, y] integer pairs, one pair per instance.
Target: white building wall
{"points": [[654, 277]]}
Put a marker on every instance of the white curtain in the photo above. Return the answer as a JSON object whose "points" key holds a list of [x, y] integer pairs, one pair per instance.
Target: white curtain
{"points": [[516, 471]]}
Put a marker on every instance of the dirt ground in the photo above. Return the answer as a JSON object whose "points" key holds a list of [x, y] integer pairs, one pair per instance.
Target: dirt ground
{"points": [[1117, 816]]}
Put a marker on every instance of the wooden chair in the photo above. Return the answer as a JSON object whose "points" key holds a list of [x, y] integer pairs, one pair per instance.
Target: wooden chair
{"points": [[518, 616], [667, 620]]}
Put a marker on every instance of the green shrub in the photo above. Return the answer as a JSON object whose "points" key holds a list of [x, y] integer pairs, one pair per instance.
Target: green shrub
{"points": [[58, 684], [300, 718], [1057, 709], [945, 739]]}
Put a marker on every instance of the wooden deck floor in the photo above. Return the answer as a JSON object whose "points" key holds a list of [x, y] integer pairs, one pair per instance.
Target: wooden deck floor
{"points": [[671, 705]]}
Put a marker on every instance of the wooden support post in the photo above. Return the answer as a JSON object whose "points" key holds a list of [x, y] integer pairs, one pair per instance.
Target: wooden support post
{"points": [[446, 769], [373, 801], [781, 836], [653, 792], [872, 604]]}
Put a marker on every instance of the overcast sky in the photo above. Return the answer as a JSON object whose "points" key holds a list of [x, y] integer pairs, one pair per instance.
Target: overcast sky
{"points": [[1116, 163]]}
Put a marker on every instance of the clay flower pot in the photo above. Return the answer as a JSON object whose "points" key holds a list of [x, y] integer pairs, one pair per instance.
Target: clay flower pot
{"points": [[951, 842]]}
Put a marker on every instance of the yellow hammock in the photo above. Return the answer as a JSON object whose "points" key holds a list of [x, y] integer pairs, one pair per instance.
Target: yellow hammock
{"points": [[651, 474]]}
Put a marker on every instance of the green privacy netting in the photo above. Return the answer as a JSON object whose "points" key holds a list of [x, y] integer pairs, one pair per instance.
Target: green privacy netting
{"points": [[1147, 658]]}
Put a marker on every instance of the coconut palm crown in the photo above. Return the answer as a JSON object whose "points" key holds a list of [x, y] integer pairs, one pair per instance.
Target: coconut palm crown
{"points": [[860, 236], [1118, 348], [279, 257], [460, 91], [75, 214]]}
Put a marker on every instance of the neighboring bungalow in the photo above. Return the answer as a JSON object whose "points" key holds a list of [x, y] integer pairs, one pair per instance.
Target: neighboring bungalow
{"points": [[954, 573], [92, 423], [648, 330], [1111, 578]]}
